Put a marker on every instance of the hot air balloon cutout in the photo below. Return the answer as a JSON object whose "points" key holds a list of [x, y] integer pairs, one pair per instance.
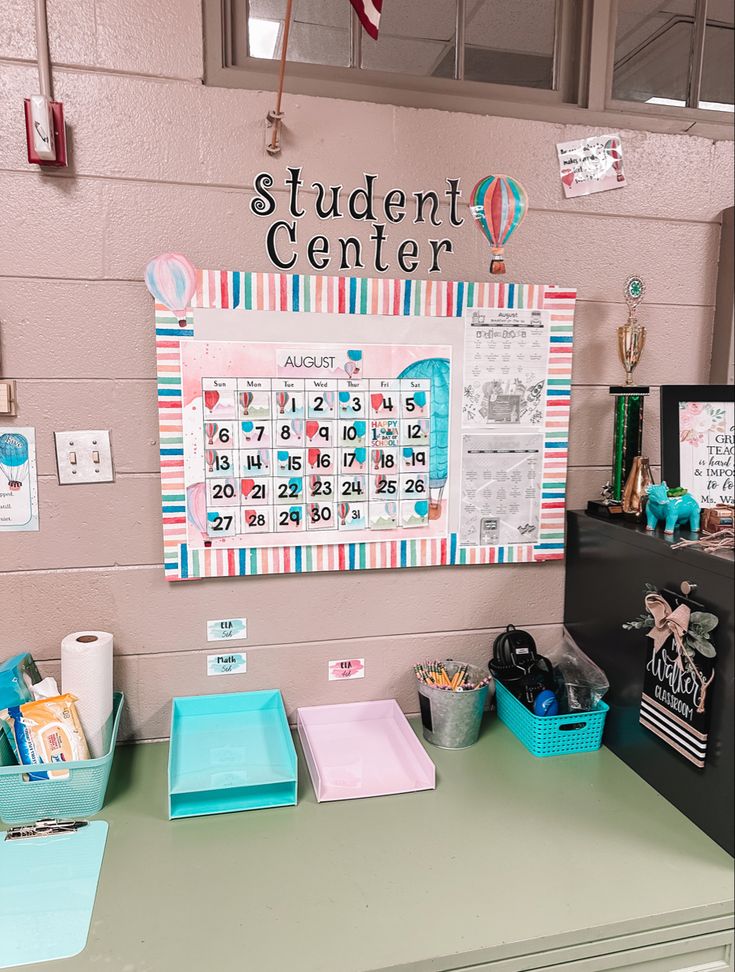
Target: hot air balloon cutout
{"points": [[353, 364], [196, 510], [436, 370], [14, 459], [172, 280], [614, 152], [498, 204]]}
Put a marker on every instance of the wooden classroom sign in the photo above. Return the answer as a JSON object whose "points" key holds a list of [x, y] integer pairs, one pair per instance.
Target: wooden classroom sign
{"points": [[315, 423]]}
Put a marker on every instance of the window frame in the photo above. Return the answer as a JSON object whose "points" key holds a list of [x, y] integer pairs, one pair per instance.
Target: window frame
{"points": [[584, 52]]}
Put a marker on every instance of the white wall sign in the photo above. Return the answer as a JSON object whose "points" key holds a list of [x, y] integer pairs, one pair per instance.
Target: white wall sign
{"points": [[18, 479]]}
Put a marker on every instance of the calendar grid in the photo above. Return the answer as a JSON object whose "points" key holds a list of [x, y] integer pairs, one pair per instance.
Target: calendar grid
{"points": [[293, 456]]}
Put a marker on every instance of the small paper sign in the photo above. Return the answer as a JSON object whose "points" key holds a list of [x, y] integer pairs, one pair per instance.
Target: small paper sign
{"points": [[227, 629], [344, 668], [590, 165], [231, 664], [18, 480]]}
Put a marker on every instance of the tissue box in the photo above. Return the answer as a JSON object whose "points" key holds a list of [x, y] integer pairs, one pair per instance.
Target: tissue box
{"points": [[16, 677]]}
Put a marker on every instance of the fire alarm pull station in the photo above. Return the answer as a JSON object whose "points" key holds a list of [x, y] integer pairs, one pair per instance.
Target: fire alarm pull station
{"points": [[45, 131]]}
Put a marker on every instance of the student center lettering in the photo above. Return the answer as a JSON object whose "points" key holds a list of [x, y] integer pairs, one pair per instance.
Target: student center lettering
{"points": [[363, 203]]}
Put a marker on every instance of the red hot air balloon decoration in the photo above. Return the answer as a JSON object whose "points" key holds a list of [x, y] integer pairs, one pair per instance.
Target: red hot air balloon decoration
{"points": [[614, 152], [498, 204]]}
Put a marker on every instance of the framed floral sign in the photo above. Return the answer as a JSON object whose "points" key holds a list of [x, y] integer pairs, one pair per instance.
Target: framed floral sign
{"points": [[698, 441]]}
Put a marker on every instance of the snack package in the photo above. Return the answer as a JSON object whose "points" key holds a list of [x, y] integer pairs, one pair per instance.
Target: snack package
{"points": [[16, 677], [47, 731]]}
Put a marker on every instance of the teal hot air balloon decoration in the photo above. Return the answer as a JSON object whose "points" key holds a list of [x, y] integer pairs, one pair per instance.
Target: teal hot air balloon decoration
{"points": [[436, 371], [14, 459], [498, 204]]}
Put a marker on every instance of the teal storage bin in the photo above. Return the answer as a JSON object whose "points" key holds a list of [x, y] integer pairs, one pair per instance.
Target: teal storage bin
{"points": [[230, 752], [578, 732], [81, 795]]}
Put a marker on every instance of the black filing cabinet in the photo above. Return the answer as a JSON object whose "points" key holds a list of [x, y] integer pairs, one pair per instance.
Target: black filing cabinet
{"points": [[608, 565]]}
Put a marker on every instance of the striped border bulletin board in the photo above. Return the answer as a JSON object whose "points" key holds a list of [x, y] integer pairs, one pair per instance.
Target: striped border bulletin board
{"points": [[301, 294]]}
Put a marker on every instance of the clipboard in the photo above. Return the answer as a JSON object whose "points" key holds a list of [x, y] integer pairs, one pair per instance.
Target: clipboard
{"points": [[49, 884]]}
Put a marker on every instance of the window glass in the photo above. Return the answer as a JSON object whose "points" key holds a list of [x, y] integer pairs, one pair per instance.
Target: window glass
{"points": [[718, 79], [320, 32], [415, 37], [653, 50], [510, 43]]}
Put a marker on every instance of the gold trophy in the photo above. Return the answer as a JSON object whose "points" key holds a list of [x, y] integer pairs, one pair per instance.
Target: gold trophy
{"points": [[632, 335], [629, 399]]}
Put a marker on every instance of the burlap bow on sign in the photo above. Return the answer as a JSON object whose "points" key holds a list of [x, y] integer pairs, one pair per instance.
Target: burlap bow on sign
{"points": [[668, 623]]}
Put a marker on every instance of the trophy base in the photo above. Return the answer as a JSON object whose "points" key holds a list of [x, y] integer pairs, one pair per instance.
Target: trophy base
{"points": [[627, 390], [605, 511]]}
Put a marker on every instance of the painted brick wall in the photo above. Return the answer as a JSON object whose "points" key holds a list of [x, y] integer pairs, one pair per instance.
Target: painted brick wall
{"points": [[161, 162]]}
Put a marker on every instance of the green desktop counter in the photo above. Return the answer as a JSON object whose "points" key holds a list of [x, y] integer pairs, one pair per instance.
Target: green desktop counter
{"points": [[512, 864]]}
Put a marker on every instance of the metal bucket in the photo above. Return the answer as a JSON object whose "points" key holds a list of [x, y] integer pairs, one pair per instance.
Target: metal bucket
{"points": [[451, 720]]}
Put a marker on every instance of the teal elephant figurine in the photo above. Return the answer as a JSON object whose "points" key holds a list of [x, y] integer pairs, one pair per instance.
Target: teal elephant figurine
{"points": [[674, 510]]}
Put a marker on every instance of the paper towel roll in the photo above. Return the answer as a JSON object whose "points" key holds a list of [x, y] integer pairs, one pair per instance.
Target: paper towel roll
{"points": [[86, 671]]}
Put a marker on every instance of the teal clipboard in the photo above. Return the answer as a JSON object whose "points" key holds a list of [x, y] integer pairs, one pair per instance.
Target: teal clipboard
{"points": [[47, 891]]}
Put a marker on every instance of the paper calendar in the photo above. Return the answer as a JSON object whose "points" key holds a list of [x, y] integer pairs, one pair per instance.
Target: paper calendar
{"points": [[316, 423]]}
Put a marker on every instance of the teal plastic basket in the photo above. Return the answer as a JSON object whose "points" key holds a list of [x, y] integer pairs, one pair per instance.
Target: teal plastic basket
{"points": [[81, 795], [579, 732]]}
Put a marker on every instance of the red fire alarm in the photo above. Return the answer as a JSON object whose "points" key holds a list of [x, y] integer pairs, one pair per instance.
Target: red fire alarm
{"points": [[45, 131]]}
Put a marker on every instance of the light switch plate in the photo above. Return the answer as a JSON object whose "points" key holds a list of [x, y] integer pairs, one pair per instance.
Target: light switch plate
{"points": [[84, 457]]}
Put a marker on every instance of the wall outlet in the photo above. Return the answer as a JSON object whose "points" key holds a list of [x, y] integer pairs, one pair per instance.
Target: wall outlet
{"points": [[84, 457]]}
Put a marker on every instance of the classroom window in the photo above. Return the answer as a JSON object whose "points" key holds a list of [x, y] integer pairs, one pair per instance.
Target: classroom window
{"points": [[622, 63], [676, 53]]}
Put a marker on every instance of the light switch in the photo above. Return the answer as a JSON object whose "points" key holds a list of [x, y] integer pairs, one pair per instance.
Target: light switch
{"points": [[84, 457]]}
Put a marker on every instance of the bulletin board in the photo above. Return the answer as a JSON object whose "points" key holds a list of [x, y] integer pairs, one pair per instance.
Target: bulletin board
{"points": [[312, 423]]}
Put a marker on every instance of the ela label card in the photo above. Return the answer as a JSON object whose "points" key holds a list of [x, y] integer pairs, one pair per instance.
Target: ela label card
{"points": [[227, 629], [344, 668], [18, 479], [234, 663]]}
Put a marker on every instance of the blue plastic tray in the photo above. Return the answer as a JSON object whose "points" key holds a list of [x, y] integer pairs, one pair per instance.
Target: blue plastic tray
{"points": [[230, 752]]}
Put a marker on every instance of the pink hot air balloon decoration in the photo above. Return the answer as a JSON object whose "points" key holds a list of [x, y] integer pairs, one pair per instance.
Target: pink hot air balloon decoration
{"points": [[172, 280], [210, 456], [343, 509], [211, 430], [246, 400], [196, 509]]}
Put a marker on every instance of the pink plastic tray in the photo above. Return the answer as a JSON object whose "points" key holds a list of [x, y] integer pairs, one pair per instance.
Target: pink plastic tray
{"points": [[362, 749]]}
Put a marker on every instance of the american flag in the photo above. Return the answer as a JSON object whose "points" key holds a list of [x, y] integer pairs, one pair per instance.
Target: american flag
{"points": [[369, 13]]}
